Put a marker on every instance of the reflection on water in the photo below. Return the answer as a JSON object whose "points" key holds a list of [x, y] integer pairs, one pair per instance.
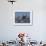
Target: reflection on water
{"points": [[22, 19]]}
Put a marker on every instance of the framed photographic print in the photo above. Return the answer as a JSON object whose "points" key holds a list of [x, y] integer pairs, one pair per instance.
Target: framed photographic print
{"points": [[23, 17]]}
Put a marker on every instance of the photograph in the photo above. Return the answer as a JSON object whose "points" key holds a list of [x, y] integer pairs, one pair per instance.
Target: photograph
{"points": [[23, 17]]}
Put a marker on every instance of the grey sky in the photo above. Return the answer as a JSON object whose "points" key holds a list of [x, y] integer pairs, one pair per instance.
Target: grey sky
{"points": [[22, 13]]}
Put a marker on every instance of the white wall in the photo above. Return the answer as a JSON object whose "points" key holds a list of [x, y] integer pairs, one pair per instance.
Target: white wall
{"points": [[9, 31]]}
